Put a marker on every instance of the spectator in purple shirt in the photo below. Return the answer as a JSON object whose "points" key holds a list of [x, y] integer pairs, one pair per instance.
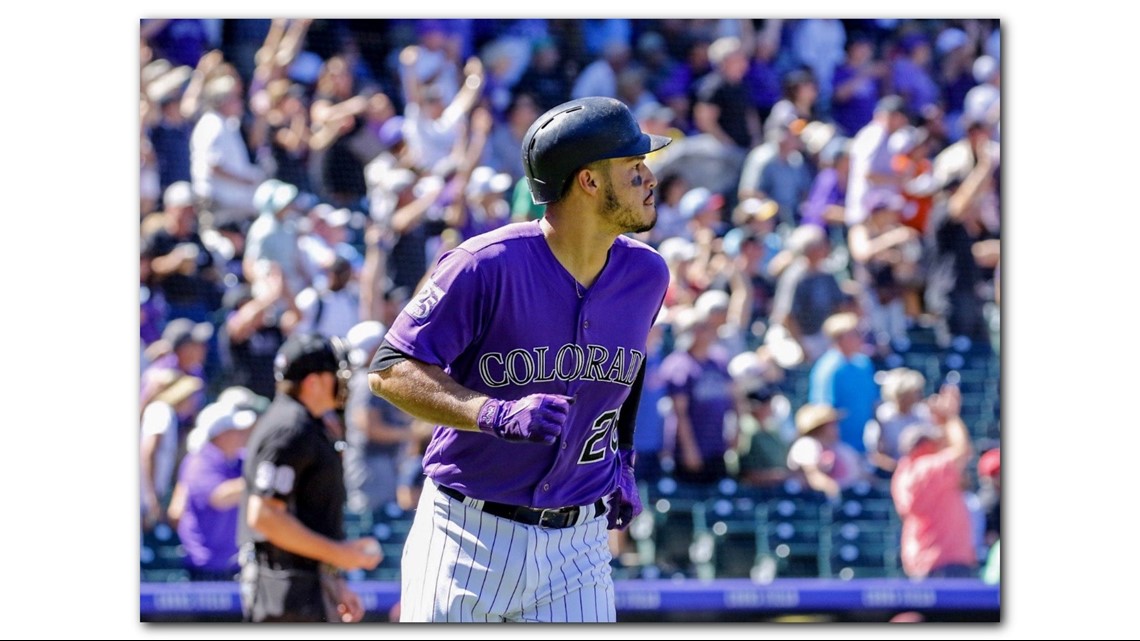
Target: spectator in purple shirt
{"points": [[699, 384], [209, 487]]}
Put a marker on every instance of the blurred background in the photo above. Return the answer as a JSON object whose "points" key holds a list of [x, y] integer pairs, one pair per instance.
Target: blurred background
{"points": [[819, 433]]}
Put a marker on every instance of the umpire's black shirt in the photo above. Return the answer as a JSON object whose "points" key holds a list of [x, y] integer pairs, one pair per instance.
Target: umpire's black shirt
{"points": [[291, 457]]}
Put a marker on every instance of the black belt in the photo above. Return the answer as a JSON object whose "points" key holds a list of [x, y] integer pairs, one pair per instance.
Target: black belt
{"points": [[556, 518]]}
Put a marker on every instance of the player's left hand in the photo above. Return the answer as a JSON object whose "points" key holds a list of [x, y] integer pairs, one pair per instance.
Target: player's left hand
{"points": [[625, 502]]}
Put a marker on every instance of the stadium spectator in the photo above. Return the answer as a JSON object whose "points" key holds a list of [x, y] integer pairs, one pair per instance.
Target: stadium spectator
{"points": [[377, 432], [826, 200], [763, 452], [723, 105], [858, 85], [222, 174], [827, 464], [180, 262], [272, 238], [333, 309], [326, 239], [182, 350], [902, 406], [961, 239], [927, 489], [787, 178], [210, 485], [871, 157], [164, 425], [806, 293], [818, 44], [798, 103], [545, 81], [703, 401], [989, 493], [259, 320], [844, 378], [911, 73]]}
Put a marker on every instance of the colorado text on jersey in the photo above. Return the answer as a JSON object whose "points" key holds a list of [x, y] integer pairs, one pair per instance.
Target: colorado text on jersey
{"points": [[570, 362]]}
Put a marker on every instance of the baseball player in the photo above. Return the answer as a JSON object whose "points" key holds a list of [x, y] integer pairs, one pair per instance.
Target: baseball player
{"points": [[526, 348], [292, 517]]}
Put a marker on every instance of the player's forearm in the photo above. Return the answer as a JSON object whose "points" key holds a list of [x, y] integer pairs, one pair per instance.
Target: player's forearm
{"points": [[427, 393]]}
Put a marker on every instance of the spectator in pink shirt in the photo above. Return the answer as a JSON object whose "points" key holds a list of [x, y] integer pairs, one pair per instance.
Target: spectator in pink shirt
{"points": [[937, 539]]}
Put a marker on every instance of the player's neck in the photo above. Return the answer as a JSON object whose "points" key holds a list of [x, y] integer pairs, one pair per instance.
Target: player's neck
{"points": [[580, 247]]}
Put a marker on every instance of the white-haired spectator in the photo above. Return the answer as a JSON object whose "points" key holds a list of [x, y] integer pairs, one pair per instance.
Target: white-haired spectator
{"points": [[222, 174], [724, 105], [902, 406]]}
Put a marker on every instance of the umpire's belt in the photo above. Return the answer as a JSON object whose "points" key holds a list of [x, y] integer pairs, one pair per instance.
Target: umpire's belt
{"points": [[557, 518]]}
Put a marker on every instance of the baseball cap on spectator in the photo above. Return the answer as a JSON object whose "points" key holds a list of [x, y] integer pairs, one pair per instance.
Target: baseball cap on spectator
{"points": [[722, 48], [906, 139], [747, 369], [485, 180], [837, 148], [330, 215], [243, 398], [805, 237], [839, 324], [915, 434], [950, 39], [178, 194], [653, 110], [699, 200], [180, 331], [713, 300], [813, 416], [816, 135], [363, 340], [217, 419], [989, 464], [890, 104], [386, 186], [985, 67], [676, 249], [273, 196], [304, 354]]}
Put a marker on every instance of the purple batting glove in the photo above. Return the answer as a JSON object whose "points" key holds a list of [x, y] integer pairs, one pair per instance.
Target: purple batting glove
{"points": [[625, 502], [537, 418]]}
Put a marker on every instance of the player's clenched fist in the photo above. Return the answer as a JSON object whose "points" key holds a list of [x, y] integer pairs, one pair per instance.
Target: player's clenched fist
{"points": [[625, 502], [537, 418]]}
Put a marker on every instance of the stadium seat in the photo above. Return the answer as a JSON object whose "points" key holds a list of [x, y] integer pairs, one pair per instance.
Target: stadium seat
{"points": [[725, 537], [789, 533]]}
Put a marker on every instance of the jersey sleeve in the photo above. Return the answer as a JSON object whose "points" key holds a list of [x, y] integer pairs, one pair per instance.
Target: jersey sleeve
{"points": [[445, 316], [277, 464]]}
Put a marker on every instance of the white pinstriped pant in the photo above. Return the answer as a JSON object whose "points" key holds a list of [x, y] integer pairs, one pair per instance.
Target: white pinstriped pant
{"points": [[461, 564]]}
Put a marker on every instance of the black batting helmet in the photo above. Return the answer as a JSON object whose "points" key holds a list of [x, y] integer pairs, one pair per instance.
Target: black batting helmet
{"points": [[575, 134]]}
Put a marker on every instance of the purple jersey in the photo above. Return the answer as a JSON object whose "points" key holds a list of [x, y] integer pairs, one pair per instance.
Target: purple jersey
{"points": [[503, 317]]}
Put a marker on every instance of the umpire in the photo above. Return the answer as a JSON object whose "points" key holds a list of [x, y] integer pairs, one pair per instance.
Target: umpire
{"points": [[292, 528]]}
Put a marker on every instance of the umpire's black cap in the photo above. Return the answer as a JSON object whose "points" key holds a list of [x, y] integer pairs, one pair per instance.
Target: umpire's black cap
{"points": [[304, 354], [575, 134]]}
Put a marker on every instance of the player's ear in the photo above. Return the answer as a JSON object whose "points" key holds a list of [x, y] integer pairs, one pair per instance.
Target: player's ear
{"points": [[589, 179]]}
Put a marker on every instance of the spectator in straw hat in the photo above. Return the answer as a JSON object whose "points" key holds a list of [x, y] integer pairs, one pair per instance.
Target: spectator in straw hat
{"points": [[164, 420], [828, 464]]}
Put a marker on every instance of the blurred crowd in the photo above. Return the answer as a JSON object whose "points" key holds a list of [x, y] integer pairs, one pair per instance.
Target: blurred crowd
{"points": [[833, 186]]}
